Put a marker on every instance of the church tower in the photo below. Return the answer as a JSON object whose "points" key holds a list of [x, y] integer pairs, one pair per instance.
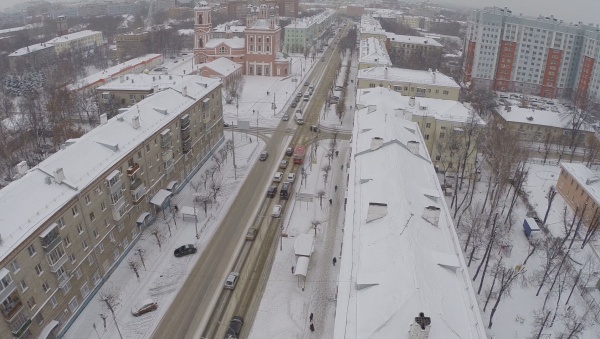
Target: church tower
{"points": [[202, 30]]}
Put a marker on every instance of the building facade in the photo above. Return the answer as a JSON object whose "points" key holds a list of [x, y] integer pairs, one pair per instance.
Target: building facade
{"points": [[409, 82], [239, 9], [222, 68], [540, 56], [579, 186], [302, 34], [413, 51], [372, 53], [77, 42], [35, 56], [132, 45], [90, 202]]}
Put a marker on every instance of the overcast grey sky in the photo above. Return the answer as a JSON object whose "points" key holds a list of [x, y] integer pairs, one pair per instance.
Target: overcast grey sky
{"points": [[567, 10]]}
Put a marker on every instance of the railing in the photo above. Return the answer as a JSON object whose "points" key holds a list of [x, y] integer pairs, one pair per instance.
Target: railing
{"points": [[12, 309], [135, 184], [58, 264], [133, 169], [48, 244], [165, 140]]}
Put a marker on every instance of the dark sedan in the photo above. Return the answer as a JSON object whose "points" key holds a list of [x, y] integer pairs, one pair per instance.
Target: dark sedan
{"points": [[185, 250], [234, 328]]}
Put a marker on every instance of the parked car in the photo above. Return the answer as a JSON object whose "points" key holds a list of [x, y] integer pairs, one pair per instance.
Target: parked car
{"points": [[283, 164], [263, 156], [286, 117], [306, 83], [291, 177], [294, 104], [289, 151], [338, 88], [296, 99], [251, 235], [231, 280], [278, 176], [271, 191], [235, 327], [143, 307], [299, 95], [276, 213], [185, 250], [299, 111]]}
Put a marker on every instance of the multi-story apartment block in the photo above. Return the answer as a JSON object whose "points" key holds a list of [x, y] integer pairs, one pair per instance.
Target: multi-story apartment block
{"points": [[409, 82], [131, 45], [415, 22], [371, 28], [68, 222], [77, 42], [541, 56], [355, 11], [413, 51], [35, 56], [372, 53], [302, 34]]}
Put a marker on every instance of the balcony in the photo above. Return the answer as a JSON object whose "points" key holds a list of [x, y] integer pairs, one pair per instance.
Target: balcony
{"points": [[135, 184], [167, 155], [169, 166], [58, 264], [165, 138], [185, 134], [116, 205], [20, 322], [9, 311], [6, 283], [185, 122], [138, 194], [187, 146], [132, 170], [113, 181]]}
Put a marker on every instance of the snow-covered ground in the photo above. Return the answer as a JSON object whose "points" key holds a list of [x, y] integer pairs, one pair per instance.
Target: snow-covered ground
{"points": [[514, 317]]}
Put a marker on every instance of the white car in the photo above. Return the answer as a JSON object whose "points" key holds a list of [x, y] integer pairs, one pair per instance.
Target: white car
{"points": [[276, 211], [291, 177], [278, 176]]}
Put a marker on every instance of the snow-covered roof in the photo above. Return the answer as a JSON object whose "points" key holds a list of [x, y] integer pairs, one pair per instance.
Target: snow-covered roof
{"points": [[143, 82], [372, 51], [113, 71], [261, 24], [27, 203], [407, 75], [444, 110], [222, 66], [310, 21], [231, 26], [21, 28], [235, 42], [370, 25], [30, 49], [415, 40], [186, 31], [73, 36], [532, 116], [585, 177], [401, 255]]}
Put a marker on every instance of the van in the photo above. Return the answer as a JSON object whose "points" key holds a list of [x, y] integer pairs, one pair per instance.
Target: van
{"points": [[285, 191], [306, 96], [299, 119]]}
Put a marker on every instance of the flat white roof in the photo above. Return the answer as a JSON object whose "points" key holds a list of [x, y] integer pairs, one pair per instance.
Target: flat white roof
{"points": [[370, 25], [27, 203], [540, 117], [235, 42], [416, 40], [142, 81], [73, 36], [373, 51], [222, 66], [395, 263], [582, 174], [30, 49], [407, 75]]}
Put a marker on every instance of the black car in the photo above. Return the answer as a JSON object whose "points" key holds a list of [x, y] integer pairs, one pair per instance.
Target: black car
{"points": [[234, 328], [185, 250], [271, 191], [294, 104]]}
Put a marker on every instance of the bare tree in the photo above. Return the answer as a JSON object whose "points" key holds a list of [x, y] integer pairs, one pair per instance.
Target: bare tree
{"points": [[540, 319], [215, 188], [506, 279], [142, 254], [315, 223], [321, 194], [474, 231], [158, 235], [111, 301], [218, 161], [551, 251], [326, 170], [573, 323], [134, 265], [233, 89]]}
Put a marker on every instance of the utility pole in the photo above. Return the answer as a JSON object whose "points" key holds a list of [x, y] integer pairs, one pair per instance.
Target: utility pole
{"points": [[233, 151], [256, 125], [196, 219], [274, 106]]}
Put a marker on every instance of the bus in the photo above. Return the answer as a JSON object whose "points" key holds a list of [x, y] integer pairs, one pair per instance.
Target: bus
{"points": [[298, 154]]}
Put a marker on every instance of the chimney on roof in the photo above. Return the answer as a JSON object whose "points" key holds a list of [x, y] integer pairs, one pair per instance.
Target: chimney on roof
{"points": [[421, 327], [433, 77], [103, 119], [22, 168], [413, 147], [135, 122], [431, 214], [184, 91], [385, 73], [411, 102], [59, 175]]}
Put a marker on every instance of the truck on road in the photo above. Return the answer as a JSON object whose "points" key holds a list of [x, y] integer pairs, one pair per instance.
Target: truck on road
{"points": [[298, 154]]}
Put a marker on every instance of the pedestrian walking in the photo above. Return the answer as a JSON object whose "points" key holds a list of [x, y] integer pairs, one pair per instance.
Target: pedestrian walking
{"points": [[292, 269], [250, 140], [337, 153], [334, 261], [342, 167], [311, 317], [335, 188], [312, 327], [330, 201]]}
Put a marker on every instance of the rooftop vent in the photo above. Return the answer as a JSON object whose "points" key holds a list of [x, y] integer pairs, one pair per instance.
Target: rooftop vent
{"points": [[103, 119], [420, 328], [588, 181], [376, 211], [411, 102], [135, 122], [376, 143], [432, 215], [22, 168], [59, 175], [413, 147], [529, 118]]}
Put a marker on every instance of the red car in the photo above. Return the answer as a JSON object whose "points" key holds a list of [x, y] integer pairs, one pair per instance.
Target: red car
{"points": [[143, 307]]}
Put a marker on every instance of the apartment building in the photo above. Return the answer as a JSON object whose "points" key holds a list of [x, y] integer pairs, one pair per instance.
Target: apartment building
{"points": [[413, 51], [415, 22], [541, 56], [372, 53], [69, 221], [302, 34], [409, 82], [371, 28], [580, 187], [77, 42], [132, 44], [35, 56]]}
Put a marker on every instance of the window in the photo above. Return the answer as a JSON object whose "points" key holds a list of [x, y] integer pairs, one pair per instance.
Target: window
{"points": [[85, 290], [79, 229], [103, 206], [67, 240], [120, 227], [53, 302], [426, 136], [92, 216], [372, 86], [428, 125], [90, 260], [56, 254], [97, 278], [23, 285], [74, 211], [84, 244], [96, 234], [73, 304], [61, 222], [15, 266], [111, 237], [101, 247], [78, 273], [31, 303], [66, 287], [98, 189], [72, 258], [46, 286], [88, 200], [38, 269], [222, 50], [116, 253], [31, 250]]}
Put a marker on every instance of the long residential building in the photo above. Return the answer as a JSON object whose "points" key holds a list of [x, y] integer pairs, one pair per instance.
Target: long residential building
{"points": [[541, 56], [372, 53], [409, 82], [402, 272], [302, 34], [77, 42], [68, 222]]}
